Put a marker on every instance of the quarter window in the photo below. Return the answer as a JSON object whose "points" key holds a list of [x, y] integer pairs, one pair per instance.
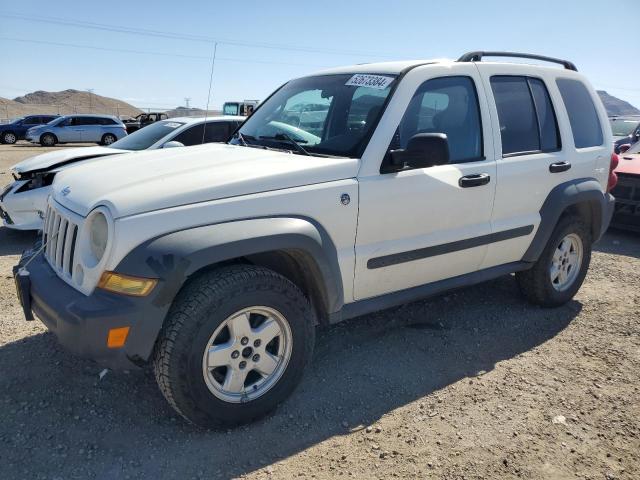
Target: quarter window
{"points": [[446, 105], [583, 117]]}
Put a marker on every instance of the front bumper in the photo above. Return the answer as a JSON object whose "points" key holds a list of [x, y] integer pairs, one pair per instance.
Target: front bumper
{"points": [[23, 210], [82, 323], [627, 209], [32, 137]]}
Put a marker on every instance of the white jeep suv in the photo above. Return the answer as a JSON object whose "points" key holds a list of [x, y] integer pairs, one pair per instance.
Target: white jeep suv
{"points": [[348, 191]]}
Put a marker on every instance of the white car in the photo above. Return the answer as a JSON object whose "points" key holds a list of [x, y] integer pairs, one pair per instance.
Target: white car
{"points": [[23, 202], [215, 263]]}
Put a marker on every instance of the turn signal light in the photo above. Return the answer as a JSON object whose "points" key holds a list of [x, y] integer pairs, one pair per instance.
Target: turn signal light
{"points": [[127, 285], [117, 337]]}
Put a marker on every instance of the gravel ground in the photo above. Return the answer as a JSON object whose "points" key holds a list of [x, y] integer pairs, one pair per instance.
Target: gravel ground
{"points": [[475, 384]]}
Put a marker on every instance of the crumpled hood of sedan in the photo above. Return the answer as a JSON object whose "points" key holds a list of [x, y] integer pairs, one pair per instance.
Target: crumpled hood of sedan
{"points": [[46, 161]]}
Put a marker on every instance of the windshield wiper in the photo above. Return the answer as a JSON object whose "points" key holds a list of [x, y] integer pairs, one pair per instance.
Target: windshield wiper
{"points": [[240, 137], [283, 136]]}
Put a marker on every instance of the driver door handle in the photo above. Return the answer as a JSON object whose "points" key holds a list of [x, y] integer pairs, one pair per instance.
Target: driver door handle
{"points": [[474, 180]]}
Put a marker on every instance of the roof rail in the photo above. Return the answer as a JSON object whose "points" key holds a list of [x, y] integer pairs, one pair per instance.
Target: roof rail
{"points": [[477, 57]]}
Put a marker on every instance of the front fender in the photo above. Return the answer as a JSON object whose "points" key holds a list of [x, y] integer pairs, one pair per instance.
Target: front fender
{"points": [[175, 256]]}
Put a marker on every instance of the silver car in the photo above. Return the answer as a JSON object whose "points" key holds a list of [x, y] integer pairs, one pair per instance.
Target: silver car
{"points": [[102, 129]]}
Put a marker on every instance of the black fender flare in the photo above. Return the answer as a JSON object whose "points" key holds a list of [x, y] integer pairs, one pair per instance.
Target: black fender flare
{"points": [[175, 256], [579, 191]]}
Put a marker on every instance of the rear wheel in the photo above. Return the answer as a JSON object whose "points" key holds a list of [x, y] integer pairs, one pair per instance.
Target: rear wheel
{"points": [[48, 140], [9, 138], [559, 272], [108, 139], [234, 345]]}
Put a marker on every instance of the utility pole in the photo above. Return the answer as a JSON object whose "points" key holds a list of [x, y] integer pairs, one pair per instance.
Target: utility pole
{"points": [[186, 101], [90, 90]]}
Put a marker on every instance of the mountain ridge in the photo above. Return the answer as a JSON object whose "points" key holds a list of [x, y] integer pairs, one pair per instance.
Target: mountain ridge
{"points": [[71, 101]]}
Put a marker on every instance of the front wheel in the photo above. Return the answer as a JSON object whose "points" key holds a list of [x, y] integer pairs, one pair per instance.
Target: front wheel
{"points": [[559, 272], [234, 345], [48, 140]]}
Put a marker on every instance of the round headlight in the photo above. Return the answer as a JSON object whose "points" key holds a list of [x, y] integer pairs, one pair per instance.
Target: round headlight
{"points": [[98, 235]]}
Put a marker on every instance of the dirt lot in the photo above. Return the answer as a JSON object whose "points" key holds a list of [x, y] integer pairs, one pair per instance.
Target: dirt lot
{"points": [[475, 384]]}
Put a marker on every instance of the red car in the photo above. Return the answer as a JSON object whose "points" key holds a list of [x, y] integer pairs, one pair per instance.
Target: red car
{"points": [[627, 191]]}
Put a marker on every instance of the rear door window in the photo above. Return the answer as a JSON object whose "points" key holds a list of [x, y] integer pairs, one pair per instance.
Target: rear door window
{"points": [[525, 113], [583, 116], [549, 136]]}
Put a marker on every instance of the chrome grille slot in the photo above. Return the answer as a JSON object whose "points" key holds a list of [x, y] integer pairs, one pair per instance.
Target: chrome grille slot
{"points": [[60, 234]]}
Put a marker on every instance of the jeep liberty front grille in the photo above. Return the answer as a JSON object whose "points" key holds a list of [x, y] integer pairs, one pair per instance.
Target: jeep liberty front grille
{"points": [[59, 234]]}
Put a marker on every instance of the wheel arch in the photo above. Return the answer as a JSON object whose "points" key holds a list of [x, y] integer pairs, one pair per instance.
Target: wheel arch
{"points": [[297, 248], [581, 197], [55, 137]]}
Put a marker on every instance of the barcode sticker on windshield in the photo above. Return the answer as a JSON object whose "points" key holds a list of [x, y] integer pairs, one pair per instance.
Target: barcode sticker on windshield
{"points": [[379, 82], [172, 124]]}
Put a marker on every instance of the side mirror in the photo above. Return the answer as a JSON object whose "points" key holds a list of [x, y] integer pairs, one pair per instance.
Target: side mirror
{"points": [[173, 144], [423, 150]]}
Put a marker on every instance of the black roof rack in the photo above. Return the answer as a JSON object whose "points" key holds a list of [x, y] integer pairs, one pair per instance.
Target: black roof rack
{"points": [[477, 57]]}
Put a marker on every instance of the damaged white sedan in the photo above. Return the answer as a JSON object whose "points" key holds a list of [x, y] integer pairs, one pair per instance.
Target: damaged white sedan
{"points": [[23, 202]]}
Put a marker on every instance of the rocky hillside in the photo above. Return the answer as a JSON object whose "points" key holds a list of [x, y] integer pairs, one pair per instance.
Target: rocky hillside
{"points": [[615, 106], [64, 102]]}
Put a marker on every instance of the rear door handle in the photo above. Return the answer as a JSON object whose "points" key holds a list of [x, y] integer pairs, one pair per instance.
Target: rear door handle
{"points": [[559, 167], [474, 180]]}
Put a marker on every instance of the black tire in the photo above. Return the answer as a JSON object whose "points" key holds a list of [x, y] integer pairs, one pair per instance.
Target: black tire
{"points": [[48, 140], [536, 283], [9, 138], [108, 139], [198, 310]]}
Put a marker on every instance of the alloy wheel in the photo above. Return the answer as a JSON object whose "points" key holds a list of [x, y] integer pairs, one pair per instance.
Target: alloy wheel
{"points": [[247, 354], [566, 261]]}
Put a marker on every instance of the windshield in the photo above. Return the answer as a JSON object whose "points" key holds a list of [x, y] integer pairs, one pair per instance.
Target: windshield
{"points": [[147, 136], [622, 128], [326, 115], [57, 121], [230, 109]]}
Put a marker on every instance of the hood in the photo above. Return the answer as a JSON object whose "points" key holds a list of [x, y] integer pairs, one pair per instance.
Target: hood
{"points": [[629, 164], [49, 160], [156, 179]]}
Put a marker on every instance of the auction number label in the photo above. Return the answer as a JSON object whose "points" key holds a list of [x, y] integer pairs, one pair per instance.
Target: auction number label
{"points": [[379, 82]]}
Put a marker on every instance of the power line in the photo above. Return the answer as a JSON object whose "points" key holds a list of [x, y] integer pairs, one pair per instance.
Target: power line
{"points": [[146, 52], [206, 110], [179, 36]]}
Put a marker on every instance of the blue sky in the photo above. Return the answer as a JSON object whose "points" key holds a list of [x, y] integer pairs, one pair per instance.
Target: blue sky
{"points": [[163, 71]]}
